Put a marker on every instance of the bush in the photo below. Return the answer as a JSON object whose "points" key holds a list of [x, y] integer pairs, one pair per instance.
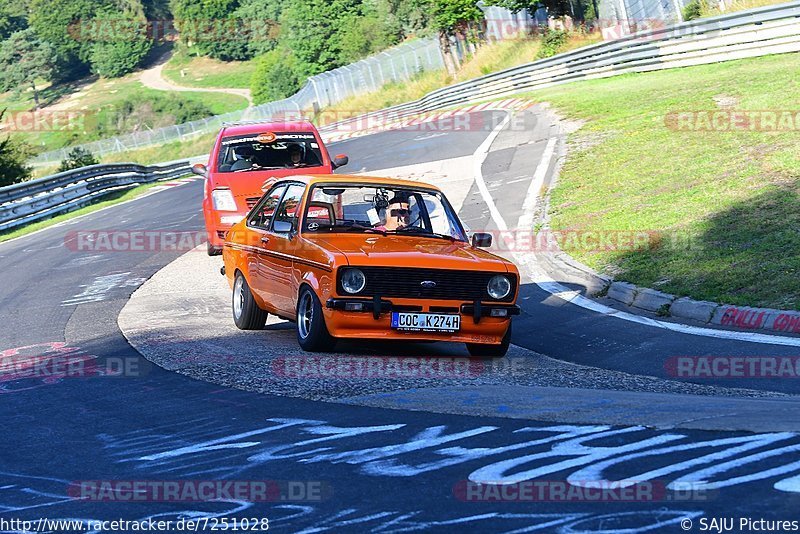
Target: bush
{"points": [[552, 42], [115, 59], [13, 155], [360, 37], [275, 77], [152, 111], [693, 10], [77, 158]]}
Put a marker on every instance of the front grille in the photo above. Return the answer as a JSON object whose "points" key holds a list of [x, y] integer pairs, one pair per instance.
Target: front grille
{"points": [[252, 201], [402, 282]]}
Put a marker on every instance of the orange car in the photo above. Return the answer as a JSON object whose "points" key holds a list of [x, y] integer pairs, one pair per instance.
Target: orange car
{"points": [[368, 258], [246, 158]]}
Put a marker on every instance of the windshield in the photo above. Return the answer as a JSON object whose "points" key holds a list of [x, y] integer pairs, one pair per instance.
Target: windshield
{"points": [[381, 209], [269, 150]]}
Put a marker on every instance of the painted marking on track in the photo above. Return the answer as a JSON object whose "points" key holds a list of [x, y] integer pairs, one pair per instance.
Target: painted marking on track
{"points": [[478, 158], [101, 287]]}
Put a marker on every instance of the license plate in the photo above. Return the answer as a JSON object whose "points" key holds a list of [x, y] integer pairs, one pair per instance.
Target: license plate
{"points": [[426, 322]]}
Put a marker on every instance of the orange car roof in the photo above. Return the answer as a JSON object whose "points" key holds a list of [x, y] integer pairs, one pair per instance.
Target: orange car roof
{"points": [[312, 179]]}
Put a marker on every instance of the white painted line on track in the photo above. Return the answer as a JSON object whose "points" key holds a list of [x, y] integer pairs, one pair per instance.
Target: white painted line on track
{"points": [[529, 205], [538, 277], [478, 158]]}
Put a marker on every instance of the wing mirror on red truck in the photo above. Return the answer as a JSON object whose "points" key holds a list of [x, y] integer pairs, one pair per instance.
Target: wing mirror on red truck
{"points": [[340, 161], [199, 169]]}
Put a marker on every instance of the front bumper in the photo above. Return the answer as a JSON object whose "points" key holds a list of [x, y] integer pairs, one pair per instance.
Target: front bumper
{"points": [[371, 318], [218, 224]]}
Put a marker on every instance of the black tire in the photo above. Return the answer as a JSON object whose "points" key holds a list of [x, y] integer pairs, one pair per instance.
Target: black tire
{"points": [[481, 350], [312, 333], [212, 250], [250, 316]]}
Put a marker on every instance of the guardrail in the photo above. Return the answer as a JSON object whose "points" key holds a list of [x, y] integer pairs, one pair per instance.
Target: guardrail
{"points": [[27, 202], [758, 32]]}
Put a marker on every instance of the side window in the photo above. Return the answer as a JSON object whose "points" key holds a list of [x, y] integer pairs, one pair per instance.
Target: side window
{"points": [[288, 212], [262, 216]]}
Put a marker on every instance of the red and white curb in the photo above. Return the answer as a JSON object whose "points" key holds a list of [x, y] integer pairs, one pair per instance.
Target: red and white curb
{"points": [[174, 183], [382, 122]]}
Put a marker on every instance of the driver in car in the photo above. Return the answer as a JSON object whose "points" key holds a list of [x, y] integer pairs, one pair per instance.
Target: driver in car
{"points": [[244, 157], [295, 155], [397, 215]]}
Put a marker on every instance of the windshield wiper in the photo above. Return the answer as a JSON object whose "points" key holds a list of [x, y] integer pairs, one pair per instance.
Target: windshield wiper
{"points": [[257, 168], [416, 230], [361, 227]]}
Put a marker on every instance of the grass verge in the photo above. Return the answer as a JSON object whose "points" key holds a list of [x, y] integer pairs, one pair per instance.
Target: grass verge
{"points": [[713, 9], [167, 152], [95, 109], [725, 202], [489, 58], [205, 72]]}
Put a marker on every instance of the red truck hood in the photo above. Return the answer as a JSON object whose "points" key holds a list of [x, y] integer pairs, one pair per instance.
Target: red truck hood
{"points": [[244, 185]]}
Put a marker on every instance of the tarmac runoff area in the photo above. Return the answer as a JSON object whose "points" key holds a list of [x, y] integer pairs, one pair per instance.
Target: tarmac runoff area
{"points": [[181, 320]]}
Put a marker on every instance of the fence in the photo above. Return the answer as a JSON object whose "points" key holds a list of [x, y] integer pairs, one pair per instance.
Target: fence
{"points": [[632, 13], [396, 64], [27, 202]]}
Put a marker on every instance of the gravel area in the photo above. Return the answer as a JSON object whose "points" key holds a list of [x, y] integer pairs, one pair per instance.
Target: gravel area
{"points": [[180, 319]]}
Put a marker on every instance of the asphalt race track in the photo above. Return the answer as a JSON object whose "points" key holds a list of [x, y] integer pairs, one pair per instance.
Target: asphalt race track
{"points": [[341, 466]]}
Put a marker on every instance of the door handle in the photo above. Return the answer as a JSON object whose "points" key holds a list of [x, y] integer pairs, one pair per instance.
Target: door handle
{"points": [[265, 240]]}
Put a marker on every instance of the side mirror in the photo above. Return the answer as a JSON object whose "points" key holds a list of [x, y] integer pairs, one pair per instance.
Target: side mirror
{"points": [[199, 169], [340, 161], [282, 227], [481, 239]]}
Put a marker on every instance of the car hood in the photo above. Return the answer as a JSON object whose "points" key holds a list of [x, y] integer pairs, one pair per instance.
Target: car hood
{"points": [[409, 251], [245, 185]]}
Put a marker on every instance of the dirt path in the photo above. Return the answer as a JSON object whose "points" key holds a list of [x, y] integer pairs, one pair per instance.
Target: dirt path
{"points": [[154, 79]]}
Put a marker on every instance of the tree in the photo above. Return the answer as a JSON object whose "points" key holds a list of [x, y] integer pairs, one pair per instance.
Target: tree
{"points": [[453, 17], [274, 77], [406, 17], [24, 59], [62, 24], [260, 17], [555, 8], [77, 158], [10, 21], [210, 26], [311, 31], [362, 36], [12, 160], [120, 43]]}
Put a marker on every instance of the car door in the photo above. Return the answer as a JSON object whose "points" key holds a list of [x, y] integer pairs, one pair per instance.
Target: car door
{"points": [[281, 249], [259, 222]]}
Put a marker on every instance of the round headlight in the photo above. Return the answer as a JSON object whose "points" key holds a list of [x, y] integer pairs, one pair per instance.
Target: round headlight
{"points": [[353, 280], [499, 287]]}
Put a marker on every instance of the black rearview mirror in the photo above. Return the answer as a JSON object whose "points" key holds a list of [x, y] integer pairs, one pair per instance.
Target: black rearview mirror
{"points": [[481, 239]]}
